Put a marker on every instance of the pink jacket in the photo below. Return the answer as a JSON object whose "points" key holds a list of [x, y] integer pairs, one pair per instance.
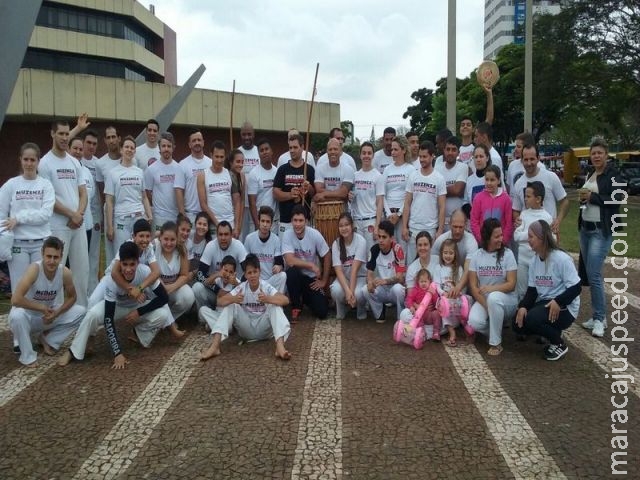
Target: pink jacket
{"points": [[487, 206], [416, 294]]}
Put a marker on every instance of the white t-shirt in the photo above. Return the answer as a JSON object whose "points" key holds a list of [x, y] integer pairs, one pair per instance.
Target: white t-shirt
{"points": [[475, 185], [521, 234], [95, 205], [286, 156], [113, 293], [592, 211], [251, 160], [443, 275], [459, 172], [169, 269], [334, 177], [65, 174], [161, 180], [496, 159], [491, 272], [191, 168], [147, 156], [213, 255], [514, 172], [388, 264], [307, 248], [465, 155], [395, 183], [266, 251], [218, 190], [381, 160], [356, 251], [553, 276], [195, 249], [30, 202], [45, 291], [254, 308], [426, 189], [103, 165], [147, 257], [368, 186], [553, 189], [345, 159], [467, 245], [126, 185], [260, 183], [90, 185], [415, 267]]}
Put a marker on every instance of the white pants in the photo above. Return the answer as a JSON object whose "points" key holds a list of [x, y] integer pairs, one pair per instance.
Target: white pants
{"points": [[204, 296], [146, 328], [94, 260], [278, 281], [98, 293], [23, 254], [362, 227], [123, 230], [273, 323], [337, 293], [500, 305], [24, 322], [75, 241], [383, 294], [181, 301]]}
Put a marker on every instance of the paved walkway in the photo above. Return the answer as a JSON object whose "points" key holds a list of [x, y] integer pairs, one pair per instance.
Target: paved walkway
{"points": [[350, 404]]}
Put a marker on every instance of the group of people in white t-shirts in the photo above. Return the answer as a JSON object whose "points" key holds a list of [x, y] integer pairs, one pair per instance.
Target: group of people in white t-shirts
{"points": [[58, 209]]}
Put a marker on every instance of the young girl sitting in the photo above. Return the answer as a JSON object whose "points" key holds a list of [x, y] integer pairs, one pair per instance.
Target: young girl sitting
{"points": [[200, 236], [447, 274], [424, 284], [533, 199], [492, 202], [174, 273]]}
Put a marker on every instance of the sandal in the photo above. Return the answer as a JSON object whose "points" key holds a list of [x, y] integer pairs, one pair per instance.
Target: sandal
{"points": [[495, 350]]}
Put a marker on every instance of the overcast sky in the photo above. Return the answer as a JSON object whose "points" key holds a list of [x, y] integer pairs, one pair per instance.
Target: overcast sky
{"points": [[372, 55]]}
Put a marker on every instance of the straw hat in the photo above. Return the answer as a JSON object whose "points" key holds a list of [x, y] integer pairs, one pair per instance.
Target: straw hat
{"points": [[487, 73]]}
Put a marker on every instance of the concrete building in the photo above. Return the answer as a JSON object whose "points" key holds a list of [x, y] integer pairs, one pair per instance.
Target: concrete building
{"points": [[504, 22], [115, 60]]}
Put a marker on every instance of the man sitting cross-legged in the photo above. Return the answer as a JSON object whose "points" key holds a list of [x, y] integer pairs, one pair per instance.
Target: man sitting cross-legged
{"points": [[35, 306], [254, 308], [146, 319]]}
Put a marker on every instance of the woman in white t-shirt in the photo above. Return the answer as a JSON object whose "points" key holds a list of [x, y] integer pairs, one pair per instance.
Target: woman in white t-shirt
{"points": [[235, 165], [26, 206], [424, 260], [552, 301], [367, 196], [349, 254], [492, 282]]}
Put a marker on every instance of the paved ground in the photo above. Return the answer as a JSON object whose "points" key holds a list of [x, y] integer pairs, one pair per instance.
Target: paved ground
{"points": [[350, 404]]}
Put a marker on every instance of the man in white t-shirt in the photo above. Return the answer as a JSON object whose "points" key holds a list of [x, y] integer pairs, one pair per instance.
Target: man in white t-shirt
{"points": [[516, 169], [251, 160], [192, 167], [214, 187], [465, 149], [554, 191], [484, 136], [160, 182], [424, 201], [89, 160], [286, 156], [65, 174], [383, 157], [455, 175], [104, 165], [345, 159], [266, 245], [148, 153], [333, 178], [301, 247], [260, 185]]}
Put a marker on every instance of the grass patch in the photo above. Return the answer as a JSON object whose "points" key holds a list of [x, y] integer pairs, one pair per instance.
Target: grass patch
{"points": [[570, 238]]}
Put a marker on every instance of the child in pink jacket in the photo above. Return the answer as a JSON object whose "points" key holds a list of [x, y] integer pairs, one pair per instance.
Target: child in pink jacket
{"points": [[492, 202]]}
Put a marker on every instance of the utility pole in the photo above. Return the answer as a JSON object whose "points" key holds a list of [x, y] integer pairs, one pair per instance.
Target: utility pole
{"points": [[528, 68], [451, 67]]}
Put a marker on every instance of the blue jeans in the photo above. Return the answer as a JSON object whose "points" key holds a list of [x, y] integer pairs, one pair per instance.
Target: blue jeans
{"points": [[595, 247]]}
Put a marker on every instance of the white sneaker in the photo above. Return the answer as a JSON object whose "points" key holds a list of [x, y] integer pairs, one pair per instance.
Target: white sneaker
{"points": [[598, 329], [589, 324]]}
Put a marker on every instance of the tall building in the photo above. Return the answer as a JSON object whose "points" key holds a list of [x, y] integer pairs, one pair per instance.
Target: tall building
{"points": [[504, 22]]}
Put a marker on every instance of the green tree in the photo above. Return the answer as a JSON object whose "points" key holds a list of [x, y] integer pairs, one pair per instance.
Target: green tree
{"points": [[421, 113]]}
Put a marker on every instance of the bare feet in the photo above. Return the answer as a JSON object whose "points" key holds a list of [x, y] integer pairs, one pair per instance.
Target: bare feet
{"points": [[65, 359], [209, 353], [45, 346], [284, 355], [32, 365], [176, 332]]}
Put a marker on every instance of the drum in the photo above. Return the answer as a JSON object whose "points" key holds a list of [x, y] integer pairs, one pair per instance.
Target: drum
{"points": [[326, 219]]}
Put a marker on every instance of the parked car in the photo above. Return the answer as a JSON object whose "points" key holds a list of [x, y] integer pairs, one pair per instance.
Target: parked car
{"points": [[630, 174]]}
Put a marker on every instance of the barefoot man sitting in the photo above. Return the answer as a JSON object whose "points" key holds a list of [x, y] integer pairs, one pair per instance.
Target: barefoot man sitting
{"points": [[254, 308], [36, 304]]}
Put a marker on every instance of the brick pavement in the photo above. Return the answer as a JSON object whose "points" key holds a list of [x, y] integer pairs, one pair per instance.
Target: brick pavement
{"points": [[364, 408]]}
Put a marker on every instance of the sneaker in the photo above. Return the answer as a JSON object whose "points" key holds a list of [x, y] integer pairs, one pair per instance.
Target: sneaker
{"points": [[295, 315], [555, 352], [598, 329], [589, 324], [383, 316], [16, 350]]}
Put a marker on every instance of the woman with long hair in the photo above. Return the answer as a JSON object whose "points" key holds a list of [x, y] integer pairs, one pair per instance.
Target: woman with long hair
{"points": [[235, 164], [552, 300], [492, 282]]}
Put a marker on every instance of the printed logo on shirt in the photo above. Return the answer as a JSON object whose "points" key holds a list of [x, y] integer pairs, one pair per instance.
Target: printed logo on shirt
{"points": [[251, 162], [476, 190], [255, 307], [465, 156], [167, 178], [490, 271], [267, 183], [45, 295], [264, 257], [66, 174], [151, 161], [168, 279], [543, 281], [219, 187], [292, 180], [29, 194], [424, 187], [397, 178], [363, 185], [332, 182], [349, 261], [129, 181], [197, 171], [304, 254]]}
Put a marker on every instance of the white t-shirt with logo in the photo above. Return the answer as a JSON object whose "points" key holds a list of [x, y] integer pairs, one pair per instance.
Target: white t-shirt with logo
{"points": [[191, 168], [260, 184], [147, 156], [113, 293], [357, 250], [161, 180], [491, 272], [554, 191], [254, 308], [395, 182], [425, 189], [307, 248], [217, 187], [459, 172], [381, 160], [553, 276], [368, 186], [169, 269], [266, 251], [104, 165], [126, 185], [334, 177], [213, 255], [65, 174], [465, 155], [345, 159]]}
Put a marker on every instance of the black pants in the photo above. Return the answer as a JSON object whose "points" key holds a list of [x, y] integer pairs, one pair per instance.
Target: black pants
{"points": [[301, 293], [537, 323]]}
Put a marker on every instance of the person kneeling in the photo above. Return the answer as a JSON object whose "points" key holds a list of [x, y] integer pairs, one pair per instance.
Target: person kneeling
{"points": [[34, 307], [146, 320], [254, 308]]}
